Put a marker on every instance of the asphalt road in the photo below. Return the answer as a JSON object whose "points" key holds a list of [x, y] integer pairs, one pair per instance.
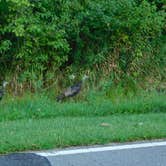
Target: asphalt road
{"points": [[135, 154], [155, 156]]}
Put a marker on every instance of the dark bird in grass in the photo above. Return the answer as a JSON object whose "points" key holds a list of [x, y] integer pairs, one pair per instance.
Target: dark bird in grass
{"points": [[2, 89], [72, 90]]}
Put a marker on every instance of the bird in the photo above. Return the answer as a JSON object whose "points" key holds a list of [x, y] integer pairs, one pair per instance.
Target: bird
{"points": [[71, 91], [2, 90]]}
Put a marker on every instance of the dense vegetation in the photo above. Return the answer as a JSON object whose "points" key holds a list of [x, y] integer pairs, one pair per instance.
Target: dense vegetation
{"points": [[119, 44], [43, 41]]}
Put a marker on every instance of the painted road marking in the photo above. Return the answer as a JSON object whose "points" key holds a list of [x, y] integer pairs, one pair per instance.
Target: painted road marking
{"points": [[101, 149]]}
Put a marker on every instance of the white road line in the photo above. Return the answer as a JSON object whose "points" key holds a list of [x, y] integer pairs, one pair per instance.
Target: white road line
{"points": [[101, 149]]}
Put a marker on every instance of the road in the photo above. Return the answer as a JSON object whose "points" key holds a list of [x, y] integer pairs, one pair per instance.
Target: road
{"points": [[134, 154]]}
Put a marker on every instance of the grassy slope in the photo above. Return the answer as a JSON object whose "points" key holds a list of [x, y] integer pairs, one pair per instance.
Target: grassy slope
{"points": [[36, 107], [29, 134]]}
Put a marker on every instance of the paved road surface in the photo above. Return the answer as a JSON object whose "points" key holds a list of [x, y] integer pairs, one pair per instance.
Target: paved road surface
{"points": [[135, 154], [131, 157]]}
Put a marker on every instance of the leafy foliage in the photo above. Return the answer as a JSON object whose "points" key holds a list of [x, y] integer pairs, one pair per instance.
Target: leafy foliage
{"points": [[45, 36]]}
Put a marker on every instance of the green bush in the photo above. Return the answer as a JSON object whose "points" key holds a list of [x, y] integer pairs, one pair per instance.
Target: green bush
{"points": [[45, 36], [32, 36]]}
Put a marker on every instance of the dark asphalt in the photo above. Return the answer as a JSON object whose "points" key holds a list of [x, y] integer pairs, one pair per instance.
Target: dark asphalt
{"points": [[23, 159], [153, 156]]}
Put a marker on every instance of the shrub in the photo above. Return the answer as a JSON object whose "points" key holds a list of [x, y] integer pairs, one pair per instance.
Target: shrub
{"points": [[42, 37]]}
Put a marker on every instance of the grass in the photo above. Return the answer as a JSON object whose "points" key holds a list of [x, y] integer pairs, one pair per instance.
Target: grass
{"points": [[36, 122], [36, 107], [30, 134]]}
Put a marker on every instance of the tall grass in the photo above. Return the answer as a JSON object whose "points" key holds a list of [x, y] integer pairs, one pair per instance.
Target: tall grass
{"points": [[42, 106]]}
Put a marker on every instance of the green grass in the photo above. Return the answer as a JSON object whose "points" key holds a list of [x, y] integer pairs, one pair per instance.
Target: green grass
{"points": [[36, 106], [30, 134], [38, 122]]}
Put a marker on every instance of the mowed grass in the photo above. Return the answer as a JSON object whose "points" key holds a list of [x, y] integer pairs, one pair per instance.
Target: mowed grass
{"points": [[35, 134]]}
